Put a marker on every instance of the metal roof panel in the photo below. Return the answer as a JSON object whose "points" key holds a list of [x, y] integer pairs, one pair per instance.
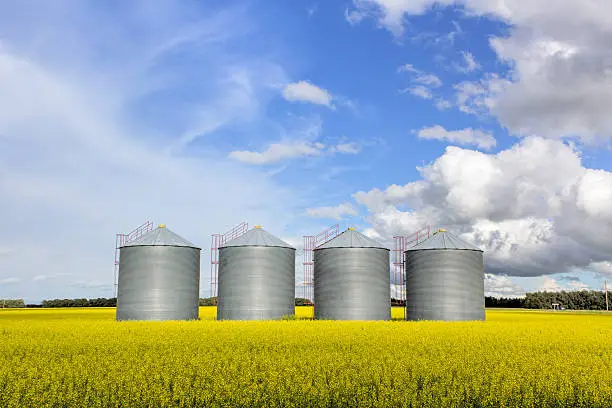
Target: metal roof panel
{"points": [[351, 239], [257, 237]]}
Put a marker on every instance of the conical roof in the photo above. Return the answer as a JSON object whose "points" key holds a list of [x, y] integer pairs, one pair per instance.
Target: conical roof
{"points": [[351, 239], [161, 236], [444, 240], [257, 237]]}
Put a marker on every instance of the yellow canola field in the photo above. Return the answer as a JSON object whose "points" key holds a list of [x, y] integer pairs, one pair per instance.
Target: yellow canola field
{"points": [[83, 358]]}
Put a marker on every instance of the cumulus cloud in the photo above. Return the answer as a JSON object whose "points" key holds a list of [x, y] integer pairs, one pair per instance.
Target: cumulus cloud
{"points": [[603, 267], [480, 97], [333, 212], [389, 13], [560, 61], [550, 285], [502, 286], [304, 91], [467, 136], [530, 215]]}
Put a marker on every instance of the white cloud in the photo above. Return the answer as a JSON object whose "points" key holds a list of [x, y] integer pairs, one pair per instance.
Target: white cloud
{"points": [[304, 91], [9, 281], [38, 278], [420, 77], [577, 285], [419, 91], [408, 68], [530, 215], [502, 286], [84, 146], [92, 285], [468, 64], [559, 61], [424, 82], [428, 79], [336, 212], [550, 285], [603, 267], [467, 136], [346, 148], [480, 97], [277, 152], [443, 104], [390, 13]]}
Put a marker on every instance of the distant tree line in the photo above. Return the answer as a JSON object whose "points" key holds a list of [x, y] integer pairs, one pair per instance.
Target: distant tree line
{"points": [[573, 300], [98, 302], [302, 302], [5, 303], [504, 302], [212, 301]]}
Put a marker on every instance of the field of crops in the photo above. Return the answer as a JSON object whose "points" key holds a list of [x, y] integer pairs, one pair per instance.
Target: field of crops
{"points": [[82, 357]]}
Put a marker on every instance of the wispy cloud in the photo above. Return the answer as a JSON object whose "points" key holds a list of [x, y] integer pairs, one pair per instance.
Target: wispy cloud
{"points": [[277, 152], [346, 148], [467, 136], [419, 91], [337, 212], [443, 104], [85, 145], [424, 82], [312, 10], [468, 64], [421, 77]]}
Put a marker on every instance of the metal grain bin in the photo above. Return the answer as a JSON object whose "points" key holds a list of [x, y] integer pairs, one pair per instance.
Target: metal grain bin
{"points": [[256, 278], [159, 278], [444, 280], [352, 279]]}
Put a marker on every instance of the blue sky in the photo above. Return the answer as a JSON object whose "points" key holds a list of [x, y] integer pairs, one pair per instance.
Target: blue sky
{"points": [[487, 119]]}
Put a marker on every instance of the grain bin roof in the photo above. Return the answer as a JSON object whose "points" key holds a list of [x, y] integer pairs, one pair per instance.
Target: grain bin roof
{"points": [[257, 237], [351, 239], [161, 236], [444, 240]]}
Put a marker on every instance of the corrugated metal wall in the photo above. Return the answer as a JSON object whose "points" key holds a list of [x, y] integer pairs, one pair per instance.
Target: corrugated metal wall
{"points": [[445, 284], [158, 283], [256, 283], [352, 284]]}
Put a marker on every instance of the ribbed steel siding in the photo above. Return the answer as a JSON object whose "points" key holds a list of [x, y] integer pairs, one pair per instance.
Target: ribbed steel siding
{"points": [[256, 283], [444, 284], [158, 283], [352, 284]]}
